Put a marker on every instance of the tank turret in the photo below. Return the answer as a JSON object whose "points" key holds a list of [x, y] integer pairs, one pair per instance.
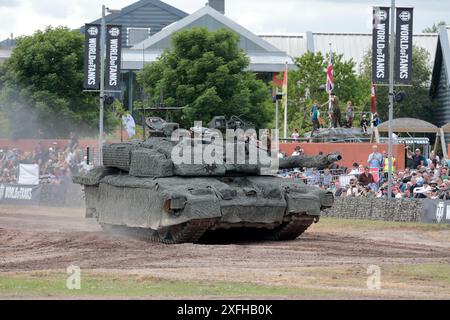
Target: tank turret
{"points": [[323, 161]]}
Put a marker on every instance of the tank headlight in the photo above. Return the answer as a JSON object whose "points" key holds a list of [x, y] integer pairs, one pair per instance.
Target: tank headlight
{"points": [[175, 203], [178, 202]]}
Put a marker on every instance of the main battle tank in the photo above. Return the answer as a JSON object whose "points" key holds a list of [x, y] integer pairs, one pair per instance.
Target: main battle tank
{"points": [[141, 188]]}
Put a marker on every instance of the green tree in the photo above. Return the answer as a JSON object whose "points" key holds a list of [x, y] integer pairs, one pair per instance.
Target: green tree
{"points": [[435, 27], [42, 86], [417, 104], [204, 72], [310, 77]]}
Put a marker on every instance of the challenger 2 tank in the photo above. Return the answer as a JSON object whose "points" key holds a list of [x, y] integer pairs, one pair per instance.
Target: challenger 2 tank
{"points": [[160, 192]]}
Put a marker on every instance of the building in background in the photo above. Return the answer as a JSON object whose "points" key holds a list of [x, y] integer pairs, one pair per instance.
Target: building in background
{"points": [[150, 24], [142, 19], [265, 59], [6, 48], [351, 45], [440, 80]]}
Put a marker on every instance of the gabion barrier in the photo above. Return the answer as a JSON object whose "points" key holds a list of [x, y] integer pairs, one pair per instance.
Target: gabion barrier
{"points": [[406, 210]]}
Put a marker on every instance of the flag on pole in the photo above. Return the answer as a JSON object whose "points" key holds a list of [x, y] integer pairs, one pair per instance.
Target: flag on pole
{"points": [[284, 87], [285, 80], [285, 98], [374, 99], [330, 79], [129, 124]]}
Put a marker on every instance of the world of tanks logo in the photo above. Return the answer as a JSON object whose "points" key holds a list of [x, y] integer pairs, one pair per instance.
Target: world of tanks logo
{"points": [[92, 31], [381, 15], [114, 32], [440, 208], [2, 191], [405, 16]]}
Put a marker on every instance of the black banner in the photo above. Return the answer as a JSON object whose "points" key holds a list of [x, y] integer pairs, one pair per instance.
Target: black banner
{"points": [[113, 57], [404, 45], [380, 45], [20, 194], [436, 211], [92, 57]]}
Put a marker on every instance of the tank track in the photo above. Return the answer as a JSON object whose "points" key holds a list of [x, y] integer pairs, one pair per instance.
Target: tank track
{"points": [[190, 232], [290, 230], [193, 231]]}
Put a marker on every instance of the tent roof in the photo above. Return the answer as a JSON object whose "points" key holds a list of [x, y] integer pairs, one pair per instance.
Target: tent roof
{"points": [[409, 125], [446, 128]]}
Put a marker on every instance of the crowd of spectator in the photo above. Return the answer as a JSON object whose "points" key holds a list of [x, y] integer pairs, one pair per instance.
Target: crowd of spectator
{"points": [[56, 164], [422, 177]]}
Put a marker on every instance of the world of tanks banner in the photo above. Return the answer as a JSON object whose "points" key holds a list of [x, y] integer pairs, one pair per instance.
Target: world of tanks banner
{"points": [[436, 211], [20, 194], [380, 48], [113, 57], [404, 45], [92, 57]]}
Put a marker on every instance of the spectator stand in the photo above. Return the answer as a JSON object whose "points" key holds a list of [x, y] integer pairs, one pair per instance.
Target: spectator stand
{"points": [[42, 176], [411, 127]]}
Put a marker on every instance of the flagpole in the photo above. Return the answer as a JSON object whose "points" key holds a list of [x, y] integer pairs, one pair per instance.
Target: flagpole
{"points": [[329, 96], [286, 102], [276, 116], [391, 96], [373, 94]]}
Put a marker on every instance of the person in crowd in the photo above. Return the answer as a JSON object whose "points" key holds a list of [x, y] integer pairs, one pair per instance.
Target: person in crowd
{"points": [[314, 177], [338, 190], [73, 143], [375, 160], [376, 120], [327, 178], [355, 169], [396, 193], [353, 190], [434, 159], [364, 124], [298, 151], [315, 116], [349, 114], [295, 135], [335, 114], [418, 159], [366, 178], [386, 164], [444, 174], [409, 158]]}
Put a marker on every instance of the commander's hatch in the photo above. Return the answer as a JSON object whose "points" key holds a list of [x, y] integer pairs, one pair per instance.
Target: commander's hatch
{"points": [[159, 127]]}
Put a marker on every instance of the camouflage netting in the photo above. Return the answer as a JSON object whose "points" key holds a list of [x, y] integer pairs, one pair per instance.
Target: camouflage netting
{"points": [[138, 202], [118, 155], [149, 163], [404, 210], [93, 177]]}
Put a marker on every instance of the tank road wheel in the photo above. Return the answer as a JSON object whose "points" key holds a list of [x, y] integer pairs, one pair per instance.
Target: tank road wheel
{"points": [[170, 235], [189, 232], [290, 230]]}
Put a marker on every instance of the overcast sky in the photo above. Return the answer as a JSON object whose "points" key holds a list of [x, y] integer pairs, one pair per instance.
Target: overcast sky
{"points": [[23, 17]]}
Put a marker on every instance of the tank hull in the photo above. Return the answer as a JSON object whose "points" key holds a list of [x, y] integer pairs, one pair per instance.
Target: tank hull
{"points": [[177, 209]]}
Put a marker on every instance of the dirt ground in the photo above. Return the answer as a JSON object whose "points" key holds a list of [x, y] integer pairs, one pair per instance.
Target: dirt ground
{"points": [[36, 238]]}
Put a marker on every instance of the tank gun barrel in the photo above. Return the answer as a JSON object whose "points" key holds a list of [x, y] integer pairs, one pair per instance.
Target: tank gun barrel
{"points": [[309, 161]]}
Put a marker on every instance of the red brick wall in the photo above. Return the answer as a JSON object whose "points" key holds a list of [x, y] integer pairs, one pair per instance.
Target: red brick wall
{"points": [[351, 152]]}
